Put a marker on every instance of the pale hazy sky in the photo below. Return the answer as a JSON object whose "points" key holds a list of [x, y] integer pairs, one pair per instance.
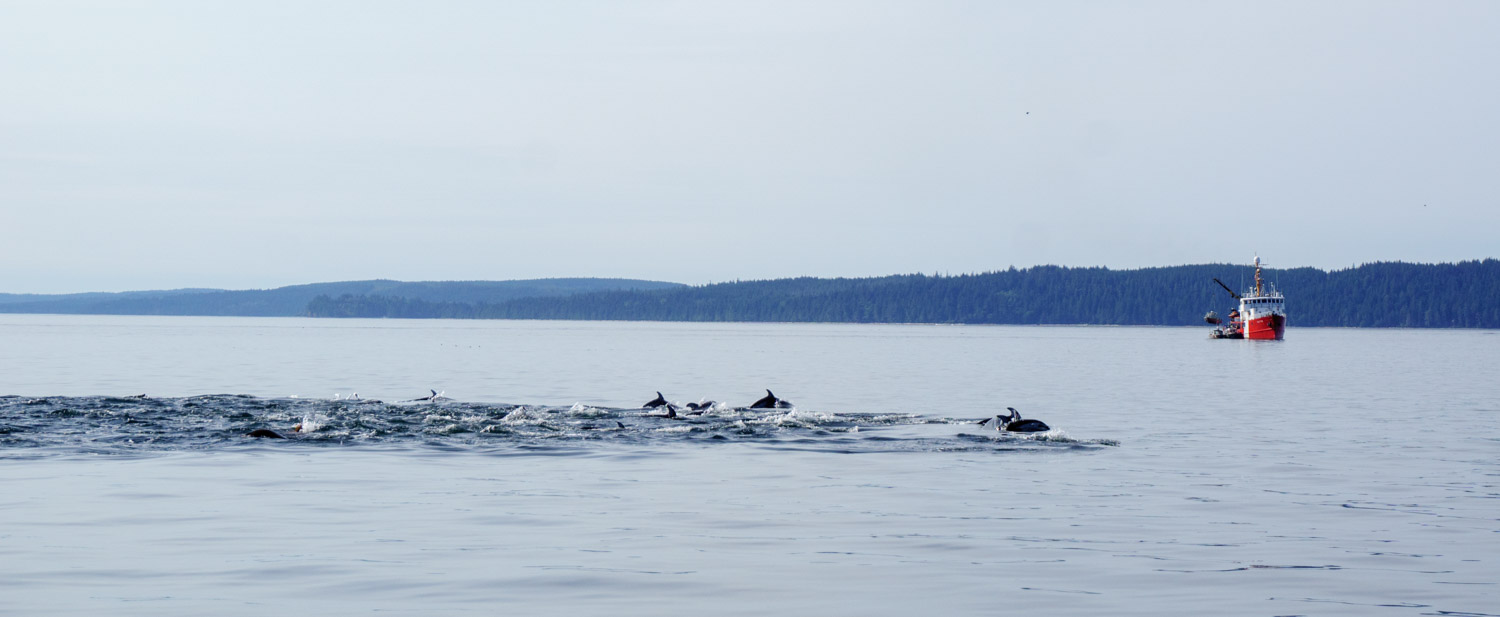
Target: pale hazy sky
{"points": [[149, 145]]}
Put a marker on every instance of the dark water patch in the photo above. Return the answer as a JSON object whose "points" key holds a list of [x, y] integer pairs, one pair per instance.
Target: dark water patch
{"points": [[1072, 591], [136, 424], [1348, 603], [1275, 567]]}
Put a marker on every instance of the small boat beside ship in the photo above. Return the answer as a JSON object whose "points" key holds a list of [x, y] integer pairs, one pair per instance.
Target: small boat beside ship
{"points": [[1261, 314]]}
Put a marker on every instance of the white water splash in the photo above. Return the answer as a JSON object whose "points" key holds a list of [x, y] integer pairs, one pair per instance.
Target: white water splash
{"points": [[523, 415], [580, 410], [311, 422]]}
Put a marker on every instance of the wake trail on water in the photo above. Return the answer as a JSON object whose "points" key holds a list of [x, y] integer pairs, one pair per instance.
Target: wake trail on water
{"points": [[125, 425]]}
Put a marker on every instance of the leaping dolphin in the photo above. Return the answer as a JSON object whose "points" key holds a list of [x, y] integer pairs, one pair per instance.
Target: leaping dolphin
{"points": [[656, 402]]}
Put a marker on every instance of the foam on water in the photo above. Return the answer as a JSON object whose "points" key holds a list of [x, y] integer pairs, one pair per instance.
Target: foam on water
{"points": [[65, 424]]}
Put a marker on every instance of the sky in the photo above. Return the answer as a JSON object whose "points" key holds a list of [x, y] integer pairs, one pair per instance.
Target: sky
{"points": [[244, 145]]}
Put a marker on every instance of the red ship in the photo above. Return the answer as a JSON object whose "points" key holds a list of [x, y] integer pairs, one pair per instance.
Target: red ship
{"points": [[1261, 315]]}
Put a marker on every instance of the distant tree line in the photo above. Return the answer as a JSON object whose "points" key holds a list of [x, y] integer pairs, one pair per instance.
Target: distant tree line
{"points": [[293, 300], [1391, 294]]}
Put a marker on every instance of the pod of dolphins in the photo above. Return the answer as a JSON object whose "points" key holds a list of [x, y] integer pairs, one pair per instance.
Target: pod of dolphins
{"points": [[769, 401], [1012, 422]]}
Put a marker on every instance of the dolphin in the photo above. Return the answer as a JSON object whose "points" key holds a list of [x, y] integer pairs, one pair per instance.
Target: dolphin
{"points": [[671, 412], [264, 433], [701, 407], [769, 401], [656, 402], [1013, 423]]}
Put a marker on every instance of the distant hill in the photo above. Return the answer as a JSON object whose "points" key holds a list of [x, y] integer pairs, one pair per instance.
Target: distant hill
{"points": [[1390, 294], [294, 300], [95, 296]]}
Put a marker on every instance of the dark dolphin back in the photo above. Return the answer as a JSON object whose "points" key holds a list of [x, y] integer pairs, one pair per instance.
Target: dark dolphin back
{"points": [[1027, 426], [767, 402]]}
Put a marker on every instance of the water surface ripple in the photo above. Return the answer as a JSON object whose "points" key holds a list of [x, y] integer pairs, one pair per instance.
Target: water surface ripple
{"points": [[1338, 472]]}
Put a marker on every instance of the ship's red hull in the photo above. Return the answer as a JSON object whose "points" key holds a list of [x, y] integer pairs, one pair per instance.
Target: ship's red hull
{"points": [[1268, 328]]}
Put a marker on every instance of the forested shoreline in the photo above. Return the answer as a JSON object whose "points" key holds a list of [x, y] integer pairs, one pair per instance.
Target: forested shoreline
{"points": [[292, 300], [1386, 294]]}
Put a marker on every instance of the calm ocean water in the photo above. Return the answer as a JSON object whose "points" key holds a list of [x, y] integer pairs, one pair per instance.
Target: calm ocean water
{"points": [[1339, 472]]}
